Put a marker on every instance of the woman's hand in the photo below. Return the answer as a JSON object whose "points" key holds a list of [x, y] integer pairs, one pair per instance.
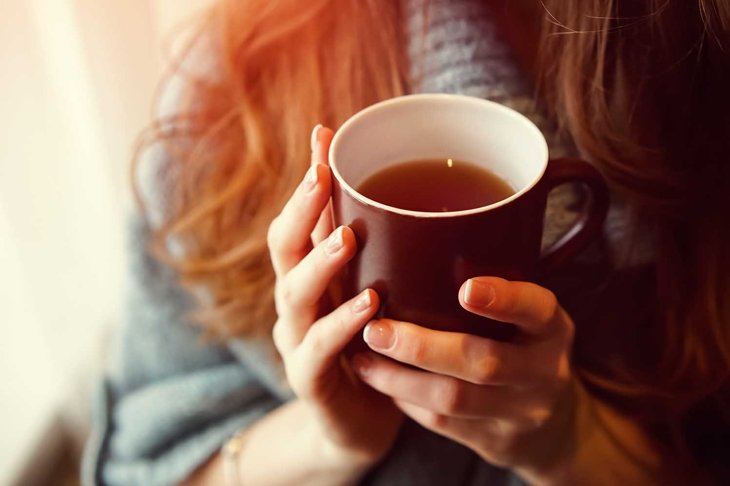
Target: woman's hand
{"points": [[509, 402], [355, 421]]}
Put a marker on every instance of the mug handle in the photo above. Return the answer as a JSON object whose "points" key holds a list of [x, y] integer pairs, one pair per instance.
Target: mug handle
{"points": [[589, 222]]}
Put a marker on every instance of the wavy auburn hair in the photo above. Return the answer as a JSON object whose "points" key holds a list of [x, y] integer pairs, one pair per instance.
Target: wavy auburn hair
{"points": [[238, 143], [644, 90], [641, 86]]}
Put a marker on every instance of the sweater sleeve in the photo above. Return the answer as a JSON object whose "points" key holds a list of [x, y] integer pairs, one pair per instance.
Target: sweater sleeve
{"points": [[170, 399]]}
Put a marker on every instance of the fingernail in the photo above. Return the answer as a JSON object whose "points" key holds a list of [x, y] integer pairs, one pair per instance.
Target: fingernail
{"points": [[335, 242], [310, 180], [379, 334], [362, 303], [315, 136], [316, 145], [361, 363], [478, 294]]}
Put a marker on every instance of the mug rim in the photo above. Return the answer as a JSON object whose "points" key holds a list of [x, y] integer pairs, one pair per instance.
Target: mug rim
{"points": [[415, 98]]}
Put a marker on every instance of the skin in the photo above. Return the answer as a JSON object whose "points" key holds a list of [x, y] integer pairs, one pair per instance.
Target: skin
{"points": [[310, 345], [517, 405], [514, 404], [492, 397], [337, 427]]}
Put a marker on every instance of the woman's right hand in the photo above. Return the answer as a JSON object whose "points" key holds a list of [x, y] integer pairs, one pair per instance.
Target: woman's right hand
{"points": [[353, 419]]}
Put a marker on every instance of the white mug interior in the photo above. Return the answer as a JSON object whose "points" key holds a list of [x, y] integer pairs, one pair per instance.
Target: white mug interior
{"points": [[432, 126]]}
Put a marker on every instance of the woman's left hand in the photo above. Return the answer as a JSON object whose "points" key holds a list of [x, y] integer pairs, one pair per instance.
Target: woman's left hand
{"points": [[508, 402]]}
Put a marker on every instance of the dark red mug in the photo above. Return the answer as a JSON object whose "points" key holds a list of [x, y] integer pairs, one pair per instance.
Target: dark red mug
{"points": [[417, 261]]}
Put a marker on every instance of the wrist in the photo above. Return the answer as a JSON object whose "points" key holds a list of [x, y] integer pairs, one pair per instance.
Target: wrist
{"points": [[336, 457], [556, 447], [595, 437], [550, 450], [336, 454]]}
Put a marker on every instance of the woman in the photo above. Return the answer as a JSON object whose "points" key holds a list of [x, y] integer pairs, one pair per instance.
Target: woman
{"points": [[620, 372]]}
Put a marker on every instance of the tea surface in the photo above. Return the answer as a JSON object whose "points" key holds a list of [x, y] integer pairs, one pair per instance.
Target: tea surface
{"points": [[435, 185]]}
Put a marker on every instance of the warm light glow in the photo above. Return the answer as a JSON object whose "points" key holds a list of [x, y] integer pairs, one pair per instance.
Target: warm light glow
{"points": [[450, 163]]}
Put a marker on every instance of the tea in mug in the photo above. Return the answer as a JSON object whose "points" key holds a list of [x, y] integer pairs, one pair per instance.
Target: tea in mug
{"points": [[435, 185]]}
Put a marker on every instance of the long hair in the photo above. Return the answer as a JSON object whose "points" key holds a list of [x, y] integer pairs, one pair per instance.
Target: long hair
{"points": [[644, 90], [642, 87], [239, 140]]}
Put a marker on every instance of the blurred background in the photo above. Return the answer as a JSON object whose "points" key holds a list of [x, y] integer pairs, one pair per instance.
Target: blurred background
{"points": [[77, 84]]}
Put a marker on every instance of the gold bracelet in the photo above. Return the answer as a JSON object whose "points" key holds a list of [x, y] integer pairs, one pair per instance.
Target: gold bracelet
{"points": [[231, 452]]}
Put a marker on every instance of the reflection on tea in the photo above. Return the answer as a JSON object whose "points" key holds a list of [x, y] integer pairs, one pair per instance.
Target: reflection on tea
{"points": [[435, 185]]}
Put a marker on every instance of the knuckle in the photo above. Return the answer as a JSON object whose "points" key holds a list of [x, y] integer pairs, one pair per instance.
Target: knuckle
{"points": [[413, 350], [487, 370], [451, 396], [550, 307], [435, 420], [481, 359], [285, 294], [509, 305]]}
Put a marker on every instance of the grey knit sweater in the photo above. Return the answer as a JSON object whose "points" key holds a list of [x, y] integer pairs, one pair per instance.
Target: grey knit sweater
{"points": [[171, 400]]}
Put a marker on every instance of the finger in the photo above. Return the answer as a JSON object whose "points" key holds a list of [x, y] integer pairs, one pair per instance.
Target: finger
{"points": [[289, 233], [467, 357], [487, 437], [321, 139], [325, 225], [320, 144], [459, 429], [441, 394], [532, 308], [325, 339], [298, 293], [468, 432]]}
